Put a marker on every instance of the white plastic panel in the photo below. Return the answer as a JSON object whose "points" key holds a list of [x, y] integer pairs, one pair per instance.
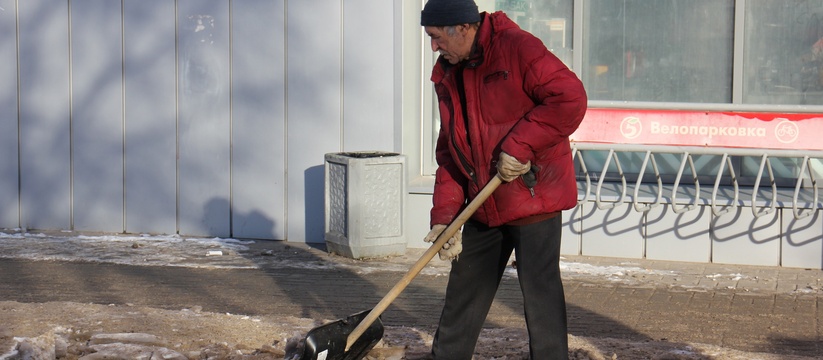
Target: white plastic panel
{"points": [[802, 240], [203, 117], [314, 110], [368, 84], [739, 237], [150, 117], [45, 161], [417, 218], [613, 232], [571, 236], [97, 115], [678, 237], [9, 199], [258, 119]]}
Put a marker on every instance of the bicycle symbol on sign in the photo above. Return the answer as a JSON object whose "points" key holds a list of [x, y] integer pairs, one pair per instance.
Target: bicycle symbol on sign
{"points": [[786, 131]]}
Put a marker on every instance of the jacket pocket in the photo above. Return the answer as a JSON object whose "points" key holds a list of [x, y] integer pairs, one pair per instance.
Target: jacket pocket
{"points": [[495, 76]]}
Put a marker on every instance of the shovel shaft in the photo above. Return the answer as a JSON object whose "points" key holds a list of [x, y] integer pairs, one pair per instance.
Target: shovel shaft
{"points": [[424, 260]]}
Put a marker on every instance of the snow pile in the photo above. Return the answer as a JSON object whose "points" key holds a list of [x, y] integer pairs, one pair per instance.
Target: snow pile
{"points": [[142, 250]]}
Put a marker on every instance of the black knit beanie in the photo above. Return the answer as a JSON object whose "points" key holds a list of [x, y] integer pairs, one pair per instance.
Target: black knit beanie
{"points": [[449, 12]]}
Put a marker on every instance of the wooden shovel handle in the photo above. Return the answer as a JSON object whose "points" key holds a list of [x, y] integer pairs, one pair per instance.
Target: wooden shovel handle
{"points": [[424, 260]]}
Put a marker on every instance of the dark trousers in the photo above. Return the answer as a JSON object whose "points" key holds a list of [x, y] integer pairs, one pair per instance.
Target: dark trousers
{"points": [[476, 275]]}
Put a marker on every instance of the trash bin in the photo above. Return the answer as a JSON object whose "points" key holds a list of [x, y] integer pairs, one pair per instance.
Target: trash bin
{"points": [[365, 205]]}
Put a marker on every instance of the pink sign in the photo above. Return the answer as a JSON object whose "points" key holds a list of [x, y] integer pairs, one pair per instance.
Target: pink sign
{"points": [[702, 128]]}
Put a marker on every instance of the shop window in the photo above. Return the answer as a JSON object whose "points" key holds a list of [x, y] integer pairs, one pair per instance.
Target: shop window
{"points": [[690, 52], [661, 51], [783, 61], [549, 20]]}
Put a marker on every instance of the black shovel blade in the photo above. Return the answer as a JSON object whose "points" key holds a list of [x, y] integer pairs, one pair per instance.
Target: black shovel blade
{"points": [[328, 342]]}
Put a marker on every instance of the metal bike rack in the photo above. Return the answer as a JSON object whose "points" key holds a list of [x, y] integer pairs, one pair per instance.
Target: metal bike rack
{"points": [[698, 223], [718, 205], [795, 208]]}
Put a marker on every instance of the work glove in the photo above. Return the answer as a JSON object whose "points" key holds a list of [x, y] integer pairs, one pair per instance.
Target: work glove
{"points": [[509, 168], [452, 248]]}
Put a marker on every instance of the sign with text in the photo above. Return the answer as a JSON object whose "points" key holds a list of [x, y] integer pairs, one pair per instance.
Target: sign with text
{"points": [[702, 128]]}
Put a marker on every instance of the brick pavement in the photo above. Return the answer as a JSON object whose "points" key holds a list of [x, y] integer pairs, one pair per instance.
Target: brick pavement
{"points": [[750, 308], [759, 309]]}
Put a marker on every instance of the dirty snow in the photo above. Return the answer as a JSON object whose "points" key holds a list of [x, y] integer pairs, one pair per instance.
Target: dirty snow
{"points": [[85, 331], [227, 253]]}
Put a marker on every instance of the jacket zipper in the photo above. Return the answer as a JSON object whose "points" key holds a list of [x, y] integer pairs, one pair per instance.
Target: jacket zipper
{"points": [[462, 157], [460, 86]]}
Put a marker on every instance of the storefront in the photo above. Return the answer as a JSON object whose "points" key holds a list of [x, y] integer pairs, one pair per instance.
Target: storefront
{"points": [[701, 142], [212, 118]]}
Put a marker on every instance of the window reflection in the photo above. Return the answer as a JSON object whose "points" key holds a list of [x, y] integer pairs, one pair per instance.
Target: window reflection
{"points": [[549, 20], [662, 50], [784, 52]]}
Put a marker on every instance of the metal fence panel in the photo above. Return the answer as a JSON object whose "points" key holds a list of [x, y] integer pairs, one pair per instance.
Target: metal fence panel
{"points": [[150, 117], [97, 115], [203, 117], [9, 198], [314, 103], [45, 143], [258, 119]]}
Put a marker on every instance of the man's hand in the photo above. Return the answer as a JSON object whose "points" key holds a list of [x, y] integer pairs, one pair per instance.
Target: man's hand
{"points": [[509, 168], [452, 248]]}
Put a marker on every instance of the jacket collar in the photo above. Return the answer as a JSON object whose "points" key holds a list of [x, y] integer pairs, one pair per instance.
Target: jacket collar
{"points": [[490, 24]]}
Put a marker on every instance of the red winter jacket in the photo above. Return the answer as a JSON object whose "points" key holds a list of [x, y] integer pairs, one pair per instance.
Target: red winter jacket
{"points": [[520, 99]]}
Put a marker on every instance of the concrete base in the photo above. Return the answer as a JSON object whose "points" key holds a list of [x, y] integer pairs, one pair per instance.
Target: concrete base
{"points": [[365, 252]]}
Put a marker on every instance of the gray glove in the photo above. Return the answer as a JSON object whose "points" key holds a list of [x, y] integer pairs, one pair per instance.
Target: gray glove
{"points": [[510, 168], [452, 248]]}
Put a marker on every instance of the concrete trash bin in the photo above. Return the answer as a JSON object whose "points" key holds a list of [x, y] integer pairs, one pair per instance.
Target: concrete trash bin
{"points": [[365, 205]]}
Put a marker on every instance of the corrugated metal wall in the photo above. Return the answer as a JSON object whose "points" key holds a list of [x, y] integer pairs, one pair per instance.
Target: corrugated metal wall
{"points": [[198, 117]]}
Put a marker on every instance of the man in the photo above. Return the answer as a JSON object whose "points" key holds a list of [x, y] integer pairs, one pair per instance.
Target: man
{"points": [[507, 107]]}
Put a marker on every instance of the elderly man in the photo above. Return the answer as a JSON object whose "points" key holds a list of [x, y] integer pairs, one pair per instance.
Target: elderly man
{"points": [[507, 106]]}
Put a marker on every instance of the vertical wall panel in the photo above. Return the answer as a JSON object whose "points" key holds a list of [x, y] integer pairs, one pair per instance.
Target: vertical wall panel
{"points": [[45, 171], [738, 237], [571, 236], [678, 237], [313, 110], [9, 199], [150, 112], [614, 232], [258, 119], [203, 117], [368, 81], [97, 115], [802, 239]]}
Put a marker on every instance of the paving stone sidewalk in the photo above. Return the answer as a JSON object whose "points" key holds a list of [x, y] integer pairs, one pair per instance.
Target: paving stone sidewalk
{"points": [[750, 308]]}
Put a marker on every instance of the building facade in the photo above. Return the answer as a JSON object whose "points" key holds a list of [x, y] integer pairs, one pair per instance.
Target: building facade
{"points": [[212, 118]]}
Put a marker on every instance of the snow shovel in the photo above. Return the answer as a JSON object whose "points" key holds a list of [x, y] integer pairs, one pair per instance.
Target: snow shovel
{"points": [[352, 338]]}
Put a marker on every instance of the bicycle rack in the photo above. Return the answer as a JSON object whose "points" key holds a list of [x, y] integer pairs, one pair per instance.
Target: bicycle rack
{"points": [[725, 172], [622, 198], [636, 201], [693, 205], [717, 211]]}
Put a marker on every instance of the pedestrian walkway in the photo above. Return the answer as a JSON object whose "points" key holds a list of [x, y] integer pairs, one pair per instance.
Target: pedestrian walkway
{"points": [[758, 309], [752, 308]]}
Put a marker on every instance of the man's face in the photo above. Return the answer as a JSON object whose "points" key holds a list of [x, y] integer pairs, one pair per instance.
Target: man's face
{"points": [[455, 47]]}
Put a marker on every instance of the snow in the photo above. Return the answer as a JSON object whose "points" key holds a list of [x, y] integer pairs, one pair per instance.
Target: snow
{"points": [[143, 250], [228, 253]]}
